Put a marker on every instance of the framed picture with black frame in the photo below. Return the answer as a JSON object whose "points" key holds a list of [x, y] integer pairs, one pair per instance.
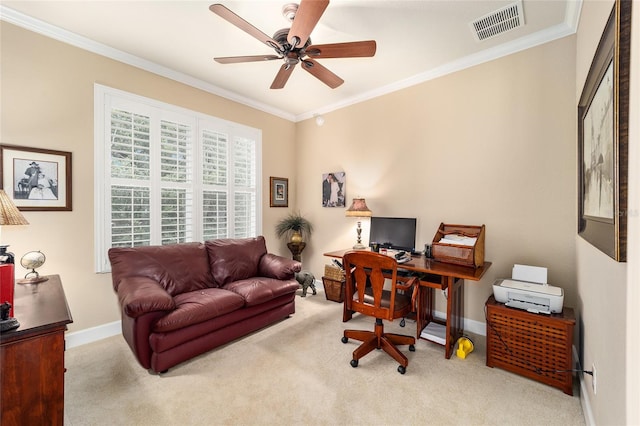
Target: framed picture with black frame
{"points": [[36, 179], [278, 192], [603, 121]]}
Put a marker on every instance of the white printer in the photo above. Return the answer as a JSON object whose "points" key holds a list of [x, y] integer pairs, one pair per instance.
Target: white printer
{"points": [[528, 289]]}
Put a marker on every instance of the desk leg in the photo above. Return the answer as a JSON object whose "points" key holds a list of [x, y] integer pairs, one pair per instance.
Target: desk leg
{"points": [[455, 313]]}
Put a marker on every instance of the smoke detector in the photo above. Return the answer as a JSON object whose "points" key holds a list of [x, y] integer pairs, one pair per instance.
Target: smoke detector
{"points": [[495, 23]]}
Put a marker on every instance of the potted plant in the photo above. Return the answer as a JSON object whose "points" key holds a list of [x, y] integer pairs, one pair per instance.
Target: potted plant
{"points": [[295, 227]]}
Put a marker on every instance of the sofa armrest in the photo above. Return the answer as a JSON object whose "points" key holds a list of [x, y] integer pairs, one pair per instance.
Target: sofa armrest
{"points": [[278, 267], [140, 295]]}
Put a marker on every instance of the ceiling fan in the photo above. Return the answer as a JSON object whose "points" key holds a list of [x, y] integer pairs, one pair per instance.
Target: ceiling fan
{"points": [[293, 45]]}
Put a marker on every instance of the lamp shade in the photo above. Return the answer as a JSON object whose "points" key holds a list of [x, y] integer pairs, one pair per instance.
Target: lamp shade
{"points": [[358, 209], [9, 213]]}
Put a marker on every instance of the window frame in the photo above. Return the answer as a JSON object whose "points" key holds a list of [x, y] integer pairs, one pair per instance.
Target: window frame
{"points": [[107, 98]]}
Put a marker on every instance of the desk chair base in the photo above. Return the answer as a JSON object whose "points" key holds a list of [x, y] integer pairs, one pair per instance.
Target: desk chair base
{"points": [[378, 339]]}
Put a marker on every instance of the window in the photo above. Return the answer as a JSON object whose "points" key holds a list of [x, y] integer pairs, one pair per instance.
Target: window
{"points": [[167, 175]]}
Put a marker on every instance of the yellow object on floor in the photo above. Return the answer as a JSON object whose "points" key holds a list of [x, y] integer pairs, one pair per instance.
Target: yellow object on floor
{"points": [[465, 347]]}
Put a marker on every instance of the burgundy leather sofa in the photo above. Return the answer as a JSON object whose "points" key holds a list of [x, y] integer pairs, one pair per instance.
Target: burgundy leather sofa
{"points": [[179, 301]]}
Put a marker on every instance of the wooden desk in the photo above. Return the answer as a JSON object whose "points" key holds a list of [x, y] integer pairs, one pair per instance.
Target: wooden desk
{"points": [[442, 276], [32, 356]]}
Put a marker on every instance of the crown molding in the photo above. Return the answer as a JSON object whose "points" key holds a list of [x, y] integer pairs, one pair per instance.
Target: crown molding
{"points": [[567, 28], [14, 17]]}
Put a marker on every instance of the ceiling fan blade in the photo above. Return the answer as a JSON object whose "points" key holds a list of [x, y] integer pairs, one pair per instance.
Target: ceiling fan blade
{"points": [[238, 59], [321, 73], [342, 50], [234, 19], [282, 76], [307, 16]]}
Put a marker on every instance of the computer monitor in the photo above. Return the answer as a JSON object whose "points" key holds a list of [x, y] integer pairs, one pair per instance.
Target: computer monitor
{"points": [[393, 232]]}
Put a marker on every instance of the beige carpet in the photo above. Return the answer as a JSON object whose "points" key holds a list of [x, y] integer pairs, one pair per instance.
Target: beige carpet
{"points": [[297, 372]]}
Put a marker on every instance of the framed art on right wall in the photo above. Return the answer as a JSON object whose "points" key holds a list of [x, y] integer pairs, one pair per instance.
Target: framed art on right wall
{"points": [[603, 121]]}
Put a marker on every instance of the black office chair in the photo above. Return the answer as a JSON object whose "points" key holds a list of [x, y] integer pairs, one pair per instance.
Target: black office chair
{"points": [[365, 293]]}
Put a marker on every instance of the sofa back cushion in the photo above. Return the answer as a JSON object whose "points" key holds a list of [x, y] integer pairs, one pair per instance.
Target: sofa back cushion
{"points": [[235, 259], [179, 268]]}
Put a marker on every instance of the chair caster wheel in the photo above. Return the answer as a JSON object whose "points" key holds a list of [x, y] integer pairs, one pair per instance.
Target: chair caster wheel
{"points": [[412, 348], [344, 340], [401, 369], [402, 322], [354, 363]]}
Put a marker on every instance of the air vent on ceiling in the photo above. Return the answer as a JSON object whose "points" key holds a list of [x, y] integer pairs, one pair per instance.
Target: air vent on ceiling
{"points": [[498, 22]]}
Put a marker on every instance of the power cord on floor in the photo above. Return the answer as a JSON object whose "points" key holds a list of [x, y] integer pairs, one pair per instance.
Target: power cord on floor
{"points": [[535, 369]]}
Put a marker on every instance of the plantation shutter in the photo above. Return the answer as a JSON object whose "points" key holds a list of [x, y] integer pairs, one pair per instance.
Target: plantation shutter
{"points": [[130, 175], [166, 175], [215, 170], [176, 175], [244, 180]]}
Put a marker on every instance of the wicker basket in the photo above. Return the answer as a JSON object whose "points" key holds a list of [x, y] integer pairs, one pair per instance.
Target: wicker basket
{"points": [[334, 272], [333, 290]]}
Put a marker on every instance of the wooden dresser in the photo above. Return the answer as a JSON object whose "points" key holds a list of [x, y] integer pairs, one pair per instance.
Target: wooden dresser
{"points": [[32, 356], [537, 346]]}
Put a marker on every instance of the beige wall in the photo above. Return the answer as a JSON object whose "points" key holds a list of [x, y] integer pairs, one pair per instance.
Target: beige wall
{"points": [[601, 281], [47, 102], [494, 144]]}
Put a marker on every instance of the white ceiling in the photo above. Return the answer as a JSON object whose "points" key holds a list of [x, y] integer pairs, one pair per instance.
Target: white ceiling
{"points": [[416, 41]]}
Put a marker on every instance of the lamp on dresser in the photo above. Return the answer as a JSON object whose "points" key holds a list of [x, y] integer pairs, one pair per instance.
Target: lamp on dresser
{"points": [[358, 209], [9, 215]]}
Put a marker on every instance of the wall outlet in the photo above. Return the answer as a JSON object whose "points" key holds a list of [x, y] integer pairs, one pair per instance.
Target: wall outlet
{"points": [[593, 379]]}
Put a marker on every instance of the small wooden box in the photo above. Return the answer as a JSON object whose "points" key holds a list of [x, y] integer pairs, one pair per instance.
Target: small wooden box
{"points": [[536, 346], [459, 254]]}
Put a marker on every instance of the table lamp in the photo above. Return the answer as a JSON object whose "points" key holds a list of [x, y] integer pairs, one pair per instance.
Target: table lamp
{"points": [[359, 209], [9, 215]]}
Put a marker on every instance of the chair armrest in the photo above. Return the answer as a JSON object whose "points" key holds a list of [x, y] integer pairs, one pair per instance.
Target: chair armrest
{"points": [[406, 285], [140, 295], [278, 267]]}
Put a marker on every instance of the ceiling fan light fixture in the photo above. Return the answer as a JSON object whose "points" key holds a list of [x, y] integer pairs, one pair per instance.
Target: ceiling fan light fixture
{"points": [[289, 11], [291, 44]]}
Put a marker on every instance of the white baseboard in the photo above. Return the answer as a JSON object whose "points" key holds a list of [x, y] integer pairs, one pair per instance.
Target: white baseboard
{"points": [[585, 403], [472, 326], [82, 337]]}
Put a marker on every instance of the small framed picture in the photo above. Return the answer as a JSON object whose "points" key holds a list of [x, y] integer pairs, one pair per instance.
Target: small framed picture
{"points": [[36, 179], [333, 189], [278, 192]]}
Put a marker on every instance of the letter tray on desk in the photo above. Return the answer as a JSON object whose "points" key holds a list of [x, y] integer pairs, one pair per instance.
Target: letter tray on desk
{"points": [[457, 253]]}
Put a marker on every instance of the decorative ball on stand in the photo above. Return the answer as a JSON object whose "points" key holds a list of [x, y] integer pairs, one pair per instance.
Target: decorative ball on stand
{"points": [[32, 260]]}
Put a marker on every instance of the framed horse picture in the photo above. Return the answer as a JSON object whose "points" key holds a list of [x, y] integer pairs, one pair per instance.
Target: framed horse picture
{"points": [[36, 179]]}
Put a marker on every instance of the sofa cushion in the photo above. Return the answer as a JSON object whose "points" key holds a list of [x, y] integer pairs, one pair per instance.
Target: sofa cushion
{"points": [[179, 268], [235, 259], [197, 306], [258, 290], [229, 326]]}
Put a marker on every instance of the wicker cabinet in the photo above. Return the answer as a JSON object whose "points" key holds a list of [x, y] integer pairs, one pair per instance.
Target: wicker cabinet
{"points": [[536, 346]]}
